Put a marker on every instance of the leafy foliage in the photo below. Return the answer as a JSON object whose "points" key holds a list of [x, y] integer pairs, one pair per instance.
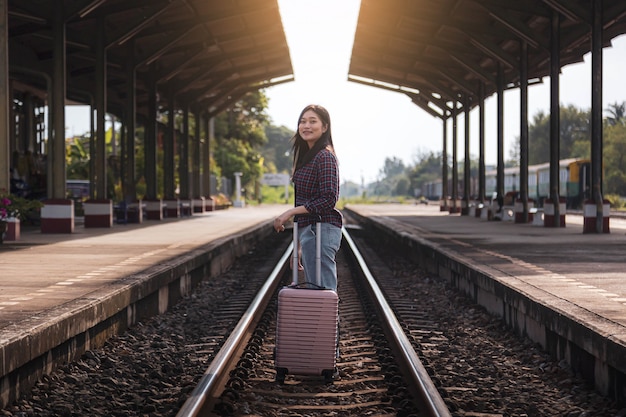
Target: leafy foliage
{"points": [[615, 158], [276, 195], [575, 134], [14, 206], [239, 136], [277, 151], [575, 142]]}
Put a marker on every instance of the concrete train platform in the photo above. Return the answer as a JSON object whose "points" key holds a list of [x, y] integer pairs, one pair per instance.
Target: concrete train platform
{"points": [[561, 288], [63, 294]]}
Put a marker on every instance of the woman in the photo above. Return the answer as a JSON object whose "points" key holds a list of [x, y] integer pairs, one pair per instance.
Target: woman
{"points": [[316, 181]]}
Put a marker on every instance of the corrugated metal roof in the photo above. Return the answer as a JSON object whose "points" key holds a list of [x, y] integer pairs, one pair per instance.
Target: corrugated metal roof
{"points": [[441, 51], [206, 52]]}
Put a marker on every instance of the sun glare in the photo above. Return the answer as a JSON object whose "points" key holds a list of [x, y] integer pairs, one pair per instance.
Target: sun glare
{"points": [[320, 37]]}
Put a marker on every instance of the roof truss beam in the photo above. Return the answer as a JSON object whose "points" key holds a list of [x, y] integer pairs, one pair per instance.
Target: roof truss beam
{"points": [[517, 27], [571, 10]]}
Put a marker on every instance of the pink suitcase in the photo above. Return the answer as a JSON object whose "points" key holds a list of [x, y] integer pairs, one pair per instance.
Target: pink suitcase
{"points": [[306, 326]]}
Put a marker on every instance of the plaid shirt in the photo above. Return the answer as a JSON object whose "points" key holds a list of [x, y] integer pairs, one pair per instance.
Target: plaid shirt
{"points": [[317, 189]]}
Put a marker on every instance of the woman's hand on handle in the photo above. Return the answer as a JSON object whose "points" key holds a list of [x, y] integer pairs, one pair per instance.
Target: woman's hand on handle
{"points": [[279, 222], [279, 225]]}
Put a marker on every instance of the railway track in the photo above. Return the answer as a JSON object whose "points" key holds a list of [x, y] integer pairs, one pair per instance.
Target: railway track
{"points": [[477, 365], [378, 370]]}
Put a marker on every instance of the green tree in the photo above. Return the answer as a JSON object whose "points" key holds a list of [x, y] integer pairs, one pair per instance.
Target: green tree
{"points": [[402, 186], [393, 171], [246, 120], [574, 135], [426, 168], [617, 114], [77, 158], [234, 155], [277, 151], [393, 166], [615, 158], [239, 138]]}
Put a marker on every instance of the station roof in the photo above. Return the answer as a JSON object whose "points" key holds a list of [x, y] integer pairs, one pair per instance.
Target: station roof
{"points": [[207, 52], [437, 52]]}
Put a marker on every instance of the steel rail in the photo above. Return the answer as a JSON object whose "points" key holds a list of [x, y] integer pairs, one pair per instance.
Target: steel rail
{"points": [[201, 398], [412, 366], [206, 392]]}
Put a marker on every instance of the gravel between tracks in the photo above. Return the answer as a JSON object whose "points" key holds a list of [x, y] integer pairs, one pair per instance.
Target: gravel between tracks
{"points": [[150, 369], [484, 368]]}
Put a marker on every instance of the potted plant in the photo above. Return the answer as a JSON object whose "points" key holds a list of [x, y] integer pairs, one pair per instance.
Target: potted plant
{"points": [[15, 209]]}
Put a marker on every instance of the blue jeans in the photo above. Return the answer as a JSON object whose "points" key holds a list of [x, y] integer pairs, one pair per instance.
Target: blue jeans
{"points": [[331, 240]]}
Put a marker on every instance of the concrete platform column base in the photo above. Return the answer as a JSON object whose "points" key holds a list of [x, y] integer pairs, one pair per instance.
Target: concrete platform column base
{"points": [[549, 216], [135, 212], [186, 207], [98, 213], [478, 209], [171, 208], [57, 216], [198, 205], [154, 209], [209, 204], [14, 228], [465, 210], [590, 214], [519, 211]]}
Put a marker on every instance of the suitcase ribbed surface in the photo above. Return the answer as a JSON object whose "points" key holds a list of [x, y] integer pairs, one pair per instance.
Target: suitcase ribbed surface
{"points": [[306, 330]]}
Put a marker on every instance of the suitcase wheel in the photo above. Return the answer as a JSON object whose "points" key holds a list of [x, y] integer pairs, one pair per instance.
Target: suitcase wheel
{"points": [[329, 375], [280, 375]]}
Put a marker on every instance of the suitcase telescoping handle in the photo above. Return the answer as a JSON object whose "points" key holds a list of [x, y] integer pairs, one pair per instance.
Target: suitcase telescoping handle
{"points": [[318, 254], [294, 257]]}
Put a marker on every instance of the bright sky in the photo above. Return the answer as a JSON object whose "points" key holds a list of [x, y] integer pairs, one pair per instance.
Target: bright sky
{"points": [[371, 124]]}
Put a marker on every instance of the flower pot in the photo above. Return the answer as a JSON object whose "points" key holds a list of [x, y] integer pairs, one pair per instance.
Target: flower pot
{"points": [[9, 229], [3, 229], [13, 229]]}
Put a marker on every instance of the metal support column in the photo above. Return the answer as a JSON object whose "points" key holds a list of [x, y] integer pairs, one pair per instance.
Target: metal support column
{"points": [[481, 144], [115, 144], [500, 135], [5, 155], [555, 67], [206, 158], [57, 108], [467, 163], [92, 148], [101, 100], [29, 123], [444, 166], [128, 181], [183, 158], [523, 166], [169, 152], [150, 145], [123, 145], [455, 168], [596, 114], [196, 182]]}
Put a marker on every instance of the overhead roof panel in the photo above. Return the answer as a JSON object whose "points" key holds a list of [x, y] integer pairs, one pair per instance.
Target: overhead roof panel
{"points": [[181, 45], [449, 48]]}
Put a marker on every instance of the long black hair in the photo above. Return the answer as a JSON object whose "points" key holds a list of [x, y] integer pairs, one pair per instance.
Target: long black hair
{"points": [[301, 152]]}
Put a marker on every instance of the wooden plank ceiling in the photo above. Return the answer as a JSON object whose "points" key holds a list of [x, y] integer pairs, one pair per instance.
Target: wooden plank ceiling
{"points": [[438, 52], [202, 52]]}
